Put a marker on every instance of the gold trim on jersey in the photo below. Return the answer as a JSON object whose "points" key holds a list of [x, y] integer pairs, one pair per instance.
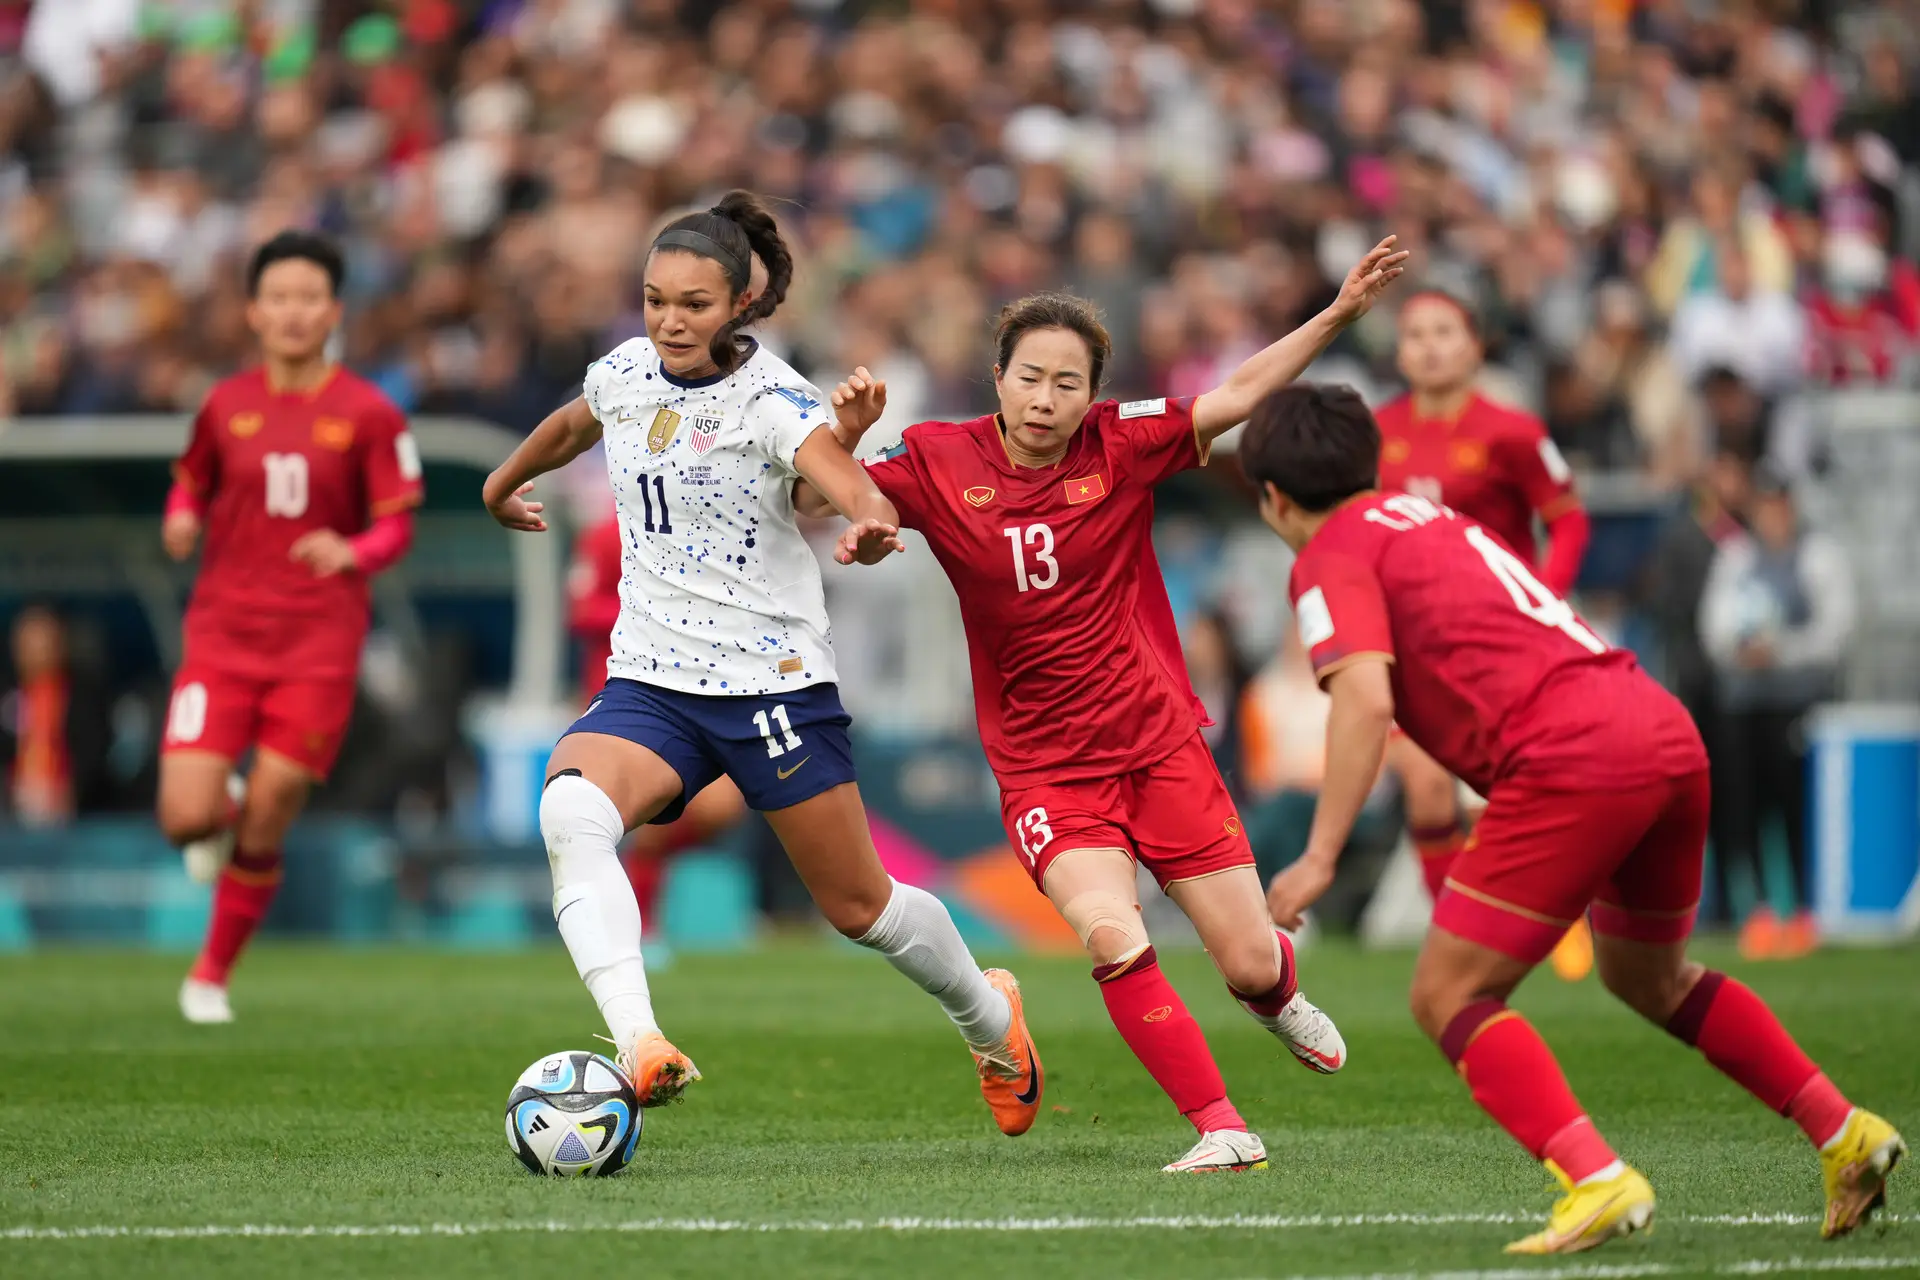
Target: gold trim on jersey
{"points": [[666, 425]]}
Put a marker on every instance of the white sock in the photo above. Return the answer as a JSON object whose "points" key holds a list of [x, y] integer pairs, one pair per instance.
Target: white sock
{"points": [[918, 938], [1839, 1133], [1612, 1170], [593, 903]]}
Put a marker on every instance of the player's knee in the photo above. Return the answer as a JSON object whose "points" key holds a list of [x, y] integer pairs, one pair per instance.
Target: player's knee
{"points": [[1251, 964], [578, 821], [1430, 798], [1107, 922], [1652, 990], [1112, 943], [184, 819], [1434, 999]]}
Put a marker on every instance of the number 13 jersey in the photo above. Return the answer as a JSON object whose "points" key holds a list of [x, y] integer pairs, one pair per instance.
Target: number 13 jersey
{"points": [[1493, 675], [719, 592], [1077, 669]]}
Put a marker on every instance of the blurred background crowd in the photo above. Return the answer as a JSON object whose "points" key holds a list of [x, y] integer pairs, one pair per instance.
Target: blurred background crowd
{"points": [[1676, 220]]}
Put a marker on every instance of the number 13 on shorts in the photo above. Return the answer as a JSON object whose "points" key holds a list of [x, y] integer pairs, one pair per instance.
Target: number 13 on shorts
{"points": [[1035, 833]]}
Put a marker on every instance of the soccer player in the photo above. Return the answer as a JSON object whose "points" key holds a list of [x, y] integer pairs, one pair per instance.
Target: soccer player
{"points": [[1446, 442], [721, 663], [303, 479], [1597, 799], [1042, 516]]}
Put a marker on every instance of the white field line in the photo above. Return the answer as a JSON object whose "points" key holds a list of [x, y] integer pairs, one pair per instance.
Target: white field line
{"points": [[904, 1226]]}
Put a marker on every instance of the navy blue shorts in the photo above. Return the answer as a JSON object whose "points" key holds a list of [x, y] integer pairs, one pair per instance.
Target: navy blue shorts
{"points": [[779, 750]]}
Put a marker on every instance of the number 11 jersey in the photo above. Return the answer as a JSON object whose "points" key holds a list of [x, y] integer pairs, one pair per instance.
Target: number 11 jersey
{"points": [[1077, 668]]}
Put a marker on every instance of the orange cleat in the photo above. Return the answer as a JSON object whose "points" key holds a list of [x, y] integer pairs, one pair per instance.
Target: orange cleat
{"points": [[1760, 935], [1573, 954], [1799, 936], [1012, 1080], [660, 1072]]}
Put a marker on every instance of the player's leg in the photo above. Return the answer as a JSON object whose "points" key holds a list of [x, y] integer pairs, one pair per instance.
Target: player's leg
{"points": [[628, 761], [652, 847], [1784, 750], [1536, 860], [1432, 804], [1641, 925], [831, 847], [1094, 891], [211, 721]]}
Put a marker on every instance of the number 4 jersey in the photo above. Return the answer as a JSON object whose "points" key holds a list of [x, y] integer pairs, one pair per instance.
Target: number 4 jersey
{"points": [[266, 467], [1493, 675], [1077, 669]]}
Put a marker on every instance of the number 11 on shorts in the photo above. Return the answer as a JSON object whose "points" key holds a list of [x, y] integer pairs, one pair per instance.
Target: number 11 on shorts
{"points": [[775, 747]]}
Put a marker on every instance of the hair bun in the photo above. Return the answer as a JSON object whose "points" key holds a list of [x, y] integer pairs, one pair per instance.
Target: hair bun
{"points": [[720, 211]]}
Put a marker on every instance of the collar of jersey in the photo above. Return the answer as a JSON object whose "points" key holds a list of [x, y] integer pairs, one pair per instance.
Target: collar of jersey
{"points": [[1004, 455], [692, 384], [1466, 407]]}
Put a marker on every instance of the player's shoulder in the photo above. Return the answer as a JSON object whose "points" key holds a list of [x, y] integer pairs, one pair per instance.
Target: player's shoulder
{"points": [[244, 390], [1499, 420], [1395, 413], [766, 383], [348, 392], [632, 360], [926, 441]]}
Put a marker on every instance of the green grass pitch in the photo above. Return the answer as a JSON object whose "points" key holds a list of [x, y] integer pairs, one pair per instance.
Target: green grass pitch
{"points": [[361, 1095]]}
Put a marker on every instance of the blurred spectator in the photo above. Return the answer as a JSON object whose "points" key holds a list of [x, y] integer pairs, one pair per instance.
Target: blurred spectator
{"points": [[1760, 335], [1220, 677], [1865, 315], [55, 726], [1775, 619]]}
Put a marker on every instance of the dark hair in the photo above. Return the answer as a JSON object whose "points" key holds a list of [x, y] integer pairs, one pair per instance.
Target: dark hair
{"points": [[1460, 304], [301, 246], [733, 233], [1052, 311], [1316, 443]]}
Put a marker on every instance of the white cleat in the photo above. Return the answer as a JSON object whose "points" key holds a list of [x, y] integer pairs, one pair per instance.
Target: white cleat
{"points": [[1310, 1036], [204, 1003], [1228, 1149], [207, 857]]}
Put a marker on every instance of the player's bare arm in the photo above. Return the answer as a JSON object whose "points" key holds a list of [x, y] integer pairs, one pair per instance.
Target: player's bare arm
{"points": [[857, 405], [873, 529], [179, 532], [1357, 727], [1229, 404], [564, 435]]}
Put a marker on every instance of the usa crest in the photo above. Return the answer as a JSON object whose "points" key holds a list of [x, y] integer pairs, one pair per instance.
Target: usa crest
{"points": [[703, 433], [666, 424]]}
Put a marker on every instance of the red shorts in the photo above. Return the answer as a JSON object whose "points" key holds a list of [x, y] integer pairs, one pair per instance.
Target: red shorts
{"points": [[217, 711], [1537, 860], [1174, 815]]}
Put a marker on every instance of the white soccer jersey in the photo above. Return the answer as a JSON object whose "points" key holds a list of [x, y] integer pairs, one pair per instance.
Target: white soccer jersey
{"points": [[719, 592]]}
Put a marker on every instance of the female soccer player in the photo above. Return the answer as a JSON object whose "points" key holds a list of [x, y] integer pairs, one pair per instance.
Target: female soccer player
{"points": [[1042, 516], [1446, 442], [720, 657]]}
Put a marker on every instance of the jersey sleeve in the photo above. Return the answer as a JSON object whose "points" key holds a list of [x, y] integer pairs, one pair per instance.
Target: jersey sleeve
{"points": [[197, 470], [1340, 610], [782, 418], [1533, 462], [391, 461], [897, 473], [1157, 437]]}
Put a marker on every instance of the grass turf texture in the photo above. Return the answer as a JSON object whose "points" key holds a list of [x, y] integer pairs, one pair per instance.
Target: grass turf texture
{"points": [[366, 1087]]}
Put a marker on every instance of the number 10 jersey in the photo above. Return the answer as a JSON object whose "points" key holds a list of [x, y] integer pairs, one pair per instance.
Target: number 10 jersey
{"points": [[719, 592], [1077, 668]]}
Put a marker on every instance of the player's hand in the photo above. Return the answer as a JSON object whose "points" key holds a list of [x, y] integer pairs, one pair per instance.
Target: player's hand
{"points": [[1367, 281], [515, 512], [859, 401], [867, 542], [325, 552], [179, 532], [1297, 888]]}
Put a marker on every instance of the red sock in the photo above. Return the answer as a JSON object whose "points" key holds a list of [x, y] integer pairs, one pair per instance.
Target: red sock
{"points": [[1437, 847], [648, 875], [240, 902], [1726, 1021], [1153, 1020], [1515, 1079], [1268, 1004]]}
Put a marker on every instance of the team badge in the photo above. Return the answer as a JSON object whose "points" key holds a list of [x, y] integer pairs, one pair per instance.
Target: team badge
{"points": [[703, 433], [1468, 455], [1232, 825], [1086, 489], [979, 495], [333, 433], [666, 424], [243, 425], [1395, 450]]}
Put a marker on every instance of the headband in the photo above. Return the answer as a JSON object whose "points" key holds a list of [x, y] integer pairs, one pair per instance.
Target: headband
{"points": [[739, 270]]}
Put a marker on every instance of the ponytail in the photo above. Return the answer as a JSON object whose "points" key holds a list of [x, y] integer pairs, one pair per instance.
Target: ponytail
{"points": [[733, 233]]}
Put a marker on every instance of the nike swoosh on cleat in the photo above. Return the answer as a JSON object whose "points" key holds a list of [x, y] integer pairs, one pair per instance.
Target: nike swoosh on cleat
{"points": [[1031, 1094], [784, 774], [1326, 1059]]}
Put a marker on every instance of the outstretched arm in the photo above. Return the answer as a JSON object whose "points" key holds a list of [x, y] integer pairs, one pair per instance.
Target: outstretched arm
{"points": [[1229, 404], [857, 405], [873, 531], [564, 435]]}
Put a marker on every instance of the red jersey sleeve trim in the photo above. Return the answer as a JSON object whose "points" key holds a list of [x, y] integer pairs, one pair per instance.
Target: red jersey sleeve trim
{"points": [[390, 506], [1346, 660], [185, 478], [1560, 506]]}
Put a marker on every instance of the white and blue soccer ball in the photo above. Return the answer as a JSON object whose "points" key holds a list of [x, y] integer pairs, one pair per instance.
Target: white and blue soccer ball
{"points": [[573, 1115]]}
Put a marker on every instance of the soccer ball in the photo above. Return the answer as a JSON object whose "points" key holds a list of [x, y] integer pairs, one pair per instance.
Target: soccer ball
{"points": [[573, 1115]]}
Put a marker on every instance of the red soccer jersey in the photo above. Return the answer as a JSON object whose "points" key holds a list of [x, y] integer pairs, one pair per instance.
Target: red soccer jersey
{"points": [[265, 467], [593, 583], [1077, 669], [1493, 675], [1492, 464]]}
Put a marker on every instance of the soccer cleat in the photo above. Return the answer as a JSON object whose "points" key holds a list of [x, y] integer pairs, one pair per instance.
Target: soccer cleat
{"points": [[1799, 936], [1573, 954], [1760, 935], [1592, 1214], [1855, 1167], [1011, 1079], [204, 1002], [1310, 1035], [208, 856], [1228, 1149], [660, 1073]]}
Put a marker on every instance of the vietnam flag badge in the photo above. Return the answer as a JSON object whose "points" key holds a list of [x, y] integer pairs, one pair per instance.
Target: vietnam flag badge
{"points": [[1086, 489]]}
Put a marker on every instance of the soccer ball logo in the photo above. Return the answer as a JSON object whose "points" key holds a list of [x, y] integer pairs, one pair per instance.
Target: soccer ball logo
{"points": [[573, 1115]]}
